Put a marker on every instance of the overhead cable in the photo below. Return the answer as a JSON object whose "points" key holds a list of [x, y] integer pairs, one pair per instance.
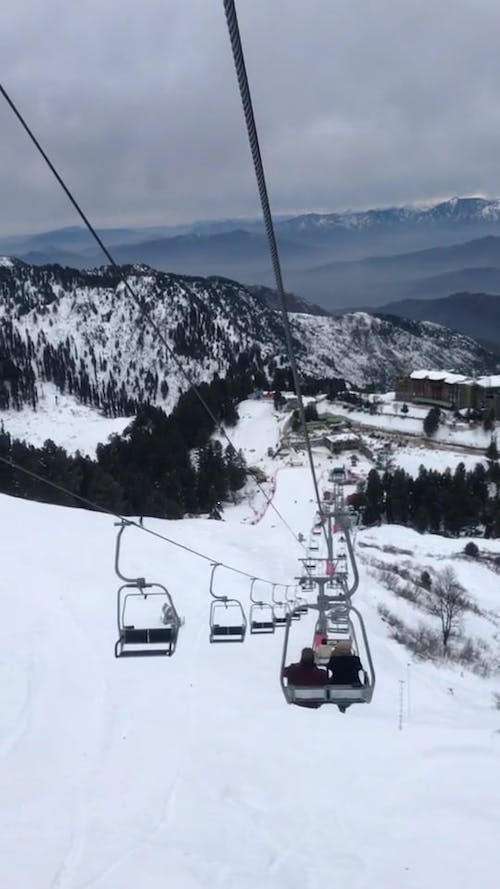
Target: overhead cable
{"points": [[246, 99], [103, 509]]}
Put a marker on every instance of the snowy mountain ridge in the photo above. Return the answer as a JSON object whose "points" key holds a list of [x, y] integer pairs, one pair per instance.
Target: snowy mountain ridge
{"points": [[82, 331], [458, 209]]}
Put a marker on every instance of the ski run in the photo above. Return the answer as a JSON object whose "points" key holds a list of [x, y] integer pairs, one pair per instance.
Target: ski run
{"points": [[192, 772]]}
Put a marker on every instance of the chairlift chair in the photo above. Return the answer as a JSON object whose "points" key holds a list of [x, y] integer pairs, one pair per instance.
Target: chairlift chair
{"points": [[261, 615], [306, 583], [146, 640], [343, 696], [227, 618], [148, 623], [338, 624]]}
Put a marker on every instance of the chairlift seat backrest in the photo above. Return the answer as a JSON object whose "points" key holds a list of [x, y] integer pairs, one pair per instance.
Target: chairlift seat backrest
{"points": [[131, 636], [280, 621], [220, 630], [145, 636]]}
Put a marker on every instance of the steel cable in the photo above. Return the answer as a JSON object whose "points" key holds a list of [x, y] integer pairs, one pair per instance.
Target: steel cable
{"points": [[246, 99], [103, 509]]}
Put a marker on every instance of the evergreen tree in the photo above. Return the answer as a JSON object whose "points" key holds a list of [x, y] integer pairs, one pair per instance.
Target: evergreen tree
{"points": [[471, 549], [310, 412], [236, 468], [489, 420], [374, 499], [431, 421], [398, 495]]}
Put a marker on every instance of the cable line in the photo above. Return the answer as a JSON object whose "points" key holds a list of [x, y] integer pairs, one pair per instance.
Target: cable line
{"points": [[246, 99], [130, 290], [103, 509]]}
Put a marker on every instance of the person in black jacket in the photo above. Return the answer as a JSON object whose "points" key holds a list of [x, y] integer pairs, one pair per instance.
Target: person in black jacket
{"points": [[344, 666]]}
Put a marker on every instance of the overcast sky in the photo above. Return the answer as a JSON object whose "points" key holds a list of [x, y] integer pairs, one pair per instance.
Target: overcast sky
{"points": [[359, 103]]}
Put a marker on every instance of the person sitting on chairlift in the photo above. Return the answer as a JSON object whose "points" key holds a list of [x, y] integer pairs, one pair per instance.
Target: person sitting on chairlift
{"points": [[344, 666], [306, 673]]}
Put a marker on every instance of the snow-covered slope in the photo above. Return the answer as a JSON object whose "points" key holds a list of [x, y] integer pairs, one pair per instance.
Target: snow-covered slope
{"points": [[193, 772], [83, 332], [367, 348], [65, 420]]}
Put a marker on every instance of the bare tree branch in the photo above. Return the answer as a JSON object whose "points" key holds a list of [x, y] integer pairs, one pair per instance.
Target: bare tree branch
{"points": [[448, 601]]}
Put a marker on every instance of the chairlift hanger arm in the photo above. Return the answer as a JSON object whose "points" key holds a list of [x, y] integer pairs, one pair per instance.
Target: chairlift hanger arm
{"points": [[253, 600], [136, 581], [273, 596], [347, 534], [252, 584], [215, 565], [371, 669]]}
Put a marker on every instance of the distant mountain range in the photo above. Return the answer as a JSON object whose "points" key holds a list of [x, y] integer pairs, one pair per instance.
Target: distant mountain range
{"points": [[337, 260], [83, 332], [423, 274], [475, 314]]}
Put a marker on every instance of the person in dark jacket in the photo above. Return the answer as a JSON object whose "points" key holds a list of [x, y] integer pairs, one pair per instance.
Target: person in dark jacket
{"points": [[344, 666], [306, 673]]}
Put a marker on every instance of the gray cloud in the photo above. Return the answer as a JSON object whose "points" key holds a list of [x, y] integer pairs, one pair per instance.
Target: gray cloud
{"points": [[358, 102]]}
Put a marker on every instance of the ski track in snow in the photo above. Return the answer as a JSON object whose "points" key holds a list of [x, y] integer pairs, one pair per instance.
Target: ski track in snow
{"points": [[192, 771], [10, 740]]}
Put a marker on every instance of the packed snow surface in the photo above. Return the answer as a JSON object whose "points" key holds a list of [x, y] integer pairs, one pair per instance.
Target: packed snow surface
{"points": [[66, 421], [391, 420], [411, 459], [193, 772]]}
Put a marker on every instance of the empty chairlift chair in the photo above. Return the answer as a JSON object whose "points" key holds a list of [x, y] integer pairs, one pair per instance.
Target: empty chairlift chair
{"points": [[139, 636], [148, 623], [338, 624], [228, 621], [261, 614]]}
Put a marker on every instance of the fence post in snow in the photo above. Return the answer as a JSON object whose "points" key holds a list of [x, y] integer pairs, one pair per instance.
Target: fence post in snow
{"points": [[401, 703]]}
